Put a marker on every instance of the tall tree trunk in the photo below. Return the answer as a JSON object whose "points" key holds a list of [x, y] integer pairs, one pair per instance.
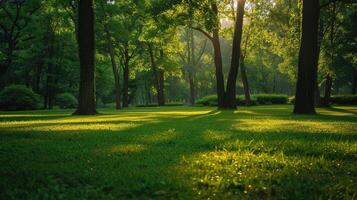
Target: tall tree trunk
{"points": [[245, 82], [354, 80], [86, 98], [192, 64], [158, 80], [308, 59], [117, 89], [192, 89], [230, 100], [126, 77], [329, 80], [218, 62], [114, 68], [161, 91]]}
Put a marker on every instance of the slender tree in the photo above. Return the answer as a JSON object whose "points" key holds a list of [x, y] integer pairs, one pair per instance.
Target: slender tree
{"points": [[308, 59], [86, 98], [230, 97]]}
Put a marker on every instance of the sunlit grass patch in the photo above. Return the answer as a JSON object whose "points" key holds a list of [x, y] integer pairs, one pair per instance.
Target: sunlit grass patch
{"points": [[258, 152], [293, 125], [243, 174]]}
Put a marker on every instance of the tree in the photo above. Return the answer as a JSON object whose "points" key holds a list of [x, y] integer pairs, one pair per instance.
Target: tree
{"points": [[308, 59], [230, 101], [86, 98], [16, 16], [191, 60]]}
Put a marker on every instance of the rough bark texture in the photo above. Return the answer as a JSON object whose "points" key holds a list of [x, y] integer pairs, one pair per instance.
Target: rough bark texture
{"points": [[86, 98], [230, 97], [308, 59]]}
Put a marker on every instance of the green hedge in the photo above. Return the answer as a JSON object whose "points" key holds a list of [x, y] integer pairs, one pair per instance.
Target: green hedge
{"points": [[156, 105], [18, 97], [344, 99], [271, 98], [261, 99], [337, 99], [66, 100]]}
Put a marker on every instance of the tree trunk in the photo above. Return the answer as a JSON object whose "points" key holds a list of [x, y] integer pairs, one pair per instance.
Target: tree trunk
{"points": [[218, 62], [117, 90], [245, 82], [158, 79], [192, 89], [308, 59], [192, 63], [230, 100], [86, 98], [126, 78], [161, 91], [114, 68]]}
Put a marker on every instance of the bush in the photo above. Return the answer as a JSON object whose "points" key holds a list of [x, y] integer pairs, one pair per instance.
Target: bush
{"points": [[212, 100], [264, 99], [344, 99], [261, 99], [18, 97], [338, 99], [66, 100], [156, 105]]}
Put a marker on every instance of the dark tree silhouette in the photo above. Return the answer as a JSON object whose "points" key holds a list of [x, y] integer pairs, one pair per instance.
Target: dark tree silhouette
{"points": [[86, 98], [308, 59], [230, 97]]}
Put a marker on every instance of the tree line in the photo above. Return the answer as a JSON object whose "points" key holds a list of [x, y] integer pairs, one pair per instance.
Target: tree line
{"points": [[160, 51]]}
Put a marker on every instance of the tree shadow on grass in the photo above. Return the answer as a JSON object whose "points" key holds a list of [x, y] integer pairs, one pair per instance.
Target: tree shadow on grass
{"points": [[141, 161]]}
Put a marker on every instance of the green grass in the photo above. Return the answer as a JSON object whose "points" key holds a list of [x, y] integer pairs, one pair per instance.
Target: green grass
{"points": [[179, 153]]}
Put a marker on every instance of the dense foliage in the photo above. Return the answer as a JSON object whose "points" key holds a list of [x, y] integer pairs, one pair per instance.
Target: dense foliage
{"points": [[18, 97], [156, 51], [66, 100]]}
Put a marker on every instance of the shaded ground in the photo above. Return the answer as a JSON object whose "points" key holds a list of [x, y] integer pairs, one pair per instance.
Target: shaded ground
{"points": [[179, 152]]}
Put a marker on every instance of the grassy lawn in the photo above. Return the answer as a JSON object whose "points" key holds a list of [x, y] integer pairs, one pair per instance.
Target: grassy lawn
{"points": [[179, 153]]}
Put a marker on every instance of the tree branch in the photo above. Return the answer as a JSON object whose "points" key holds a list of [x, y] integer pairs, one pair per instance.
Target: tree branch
{"points": [[203, 32]]}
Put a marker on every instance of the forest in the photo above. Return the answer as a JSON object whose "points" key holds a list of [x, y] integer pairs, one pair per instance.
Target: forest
{"points": [[178, 99]]}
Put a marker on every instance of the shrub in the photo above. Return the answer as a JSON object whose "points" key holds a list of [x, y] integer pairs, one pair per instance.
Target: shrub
{"points": [[210, 100], [271, 99], [344, 99], [338, 99], [18, 97], [66, 100], [156, 105]]}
